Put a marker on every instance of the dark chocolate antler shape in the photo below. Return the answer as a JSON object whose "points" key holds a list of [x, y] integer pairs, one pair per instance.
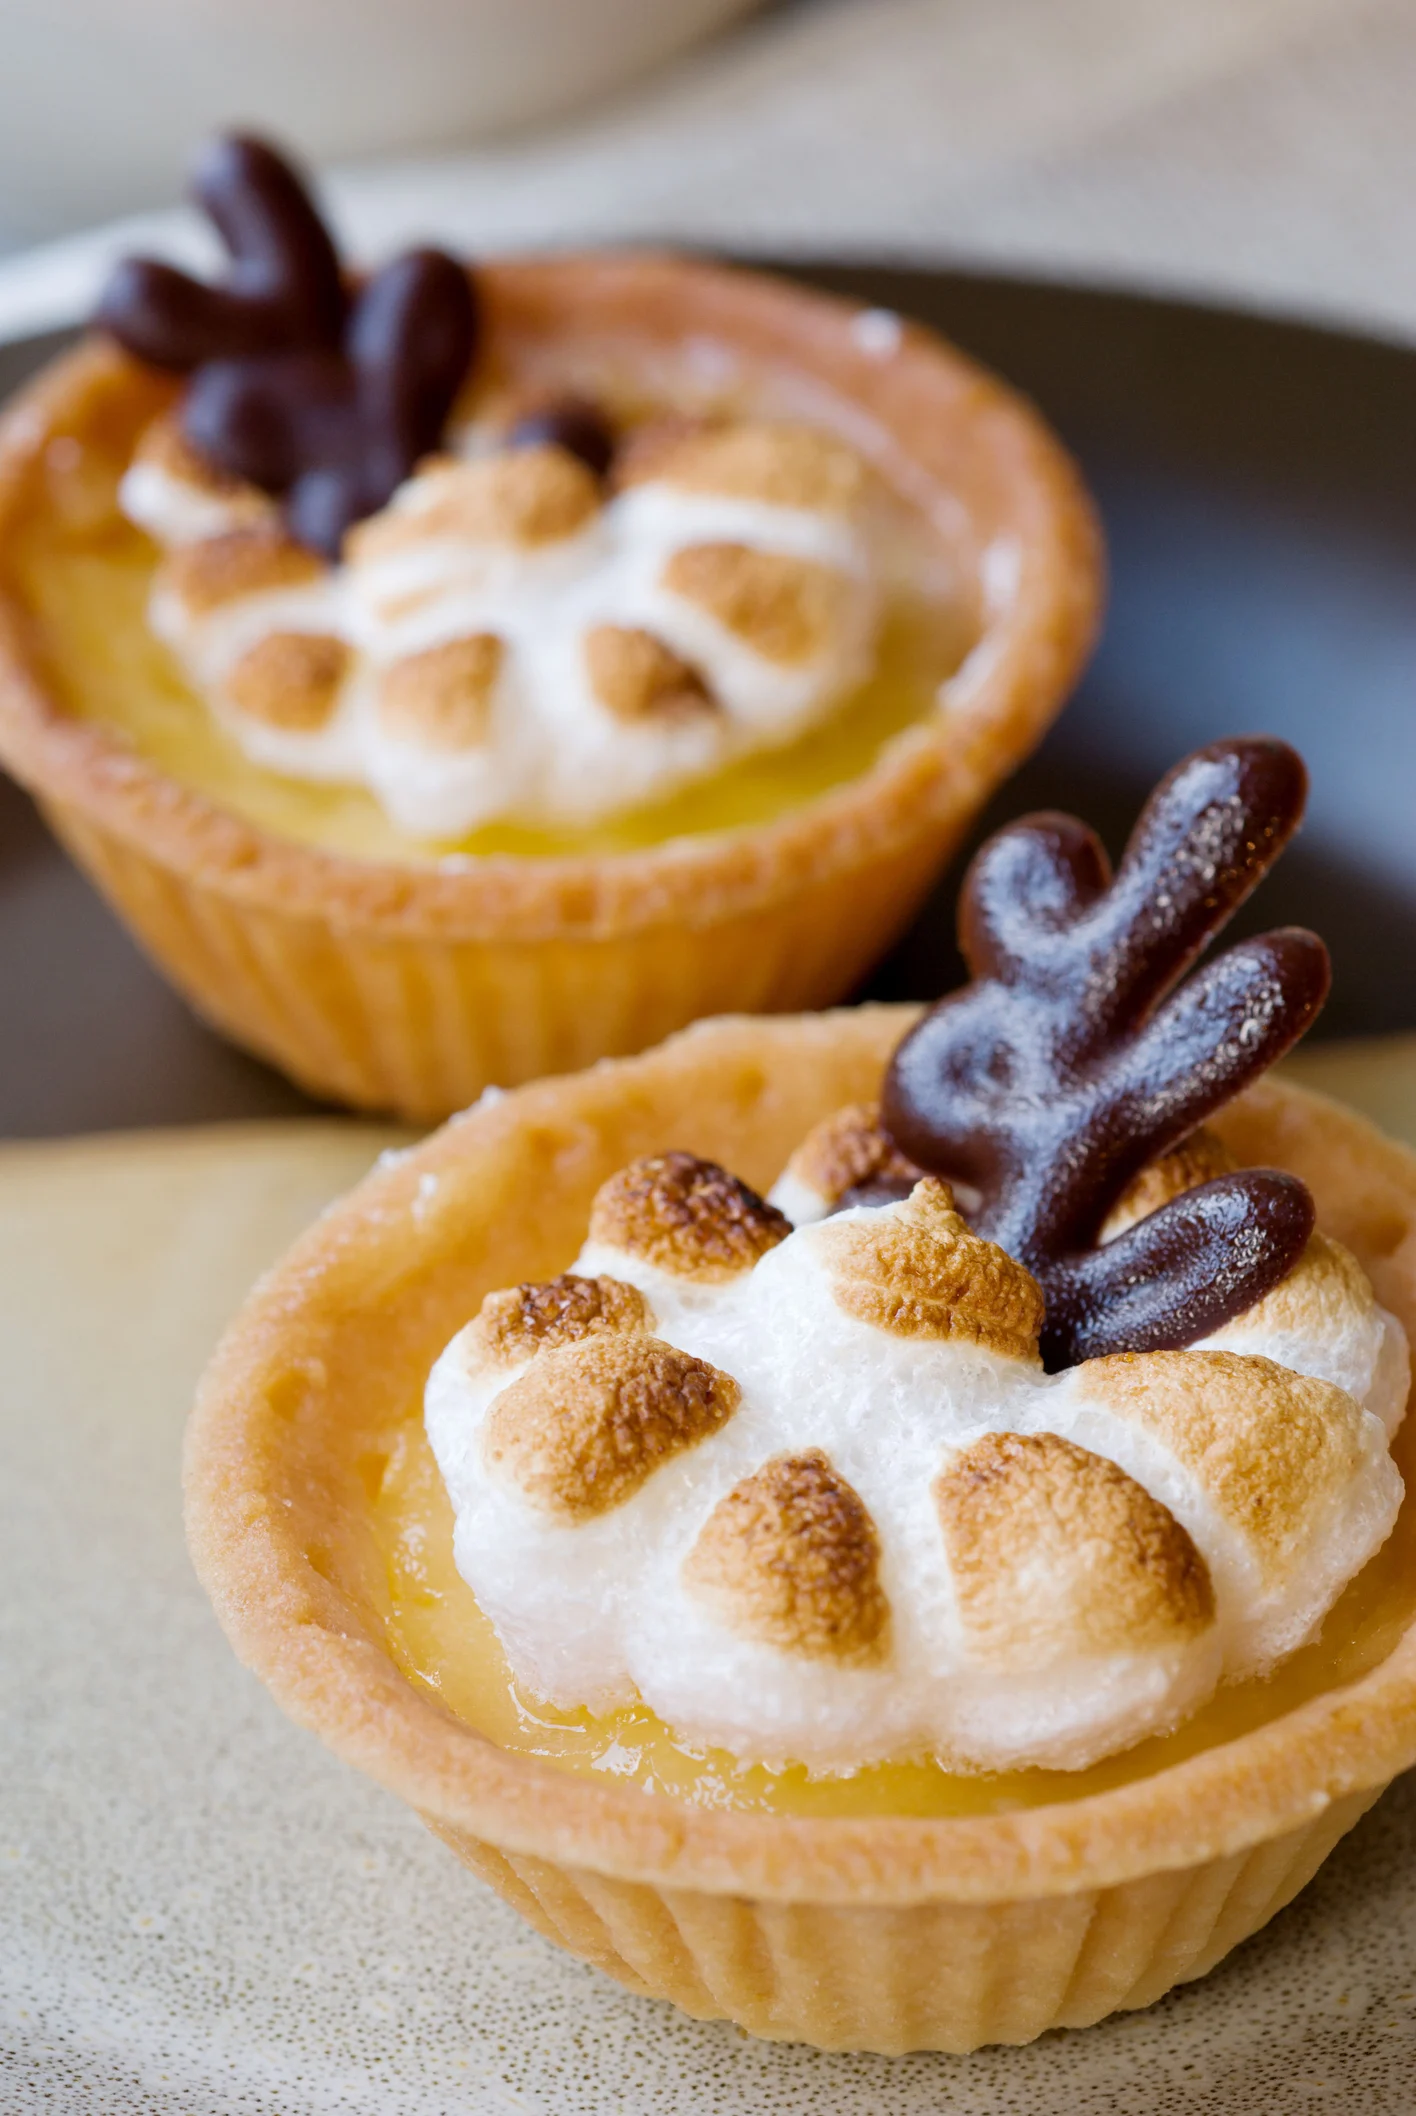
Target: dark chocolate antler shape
{"points": [[337, 434], [1068, 1064], [283, 290], [325, 403]]}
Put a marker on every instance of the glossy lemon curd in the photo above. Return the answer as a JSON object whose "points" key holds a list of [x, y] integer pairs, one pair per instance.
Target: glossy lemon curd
{"points": [[442, 1641], [85, 574]]}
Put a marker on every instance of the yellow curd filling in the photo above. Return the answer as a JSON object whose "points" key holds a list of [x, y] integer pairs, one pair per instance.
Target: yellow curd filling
{"points": [[441, 1640], [85, 573]]}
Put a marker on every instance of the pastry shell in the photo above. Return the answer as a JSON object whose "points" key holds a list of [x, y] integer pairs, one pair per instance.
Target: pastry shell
{"points": [[410, 988], [868, 1934]]}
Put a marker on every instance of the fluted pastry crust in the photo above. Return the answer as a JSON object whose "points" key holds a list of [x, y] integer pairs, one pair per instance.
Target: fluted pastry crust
{"points": [[742, 1092]]}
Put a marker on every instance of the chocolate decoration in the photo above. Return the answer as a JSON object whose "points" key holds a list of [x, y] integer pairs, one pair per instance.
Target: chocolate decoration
{"points": [[326, 404], [282, 291], [336, 435], [1069, 1063], [572, 423], [1185, 1271]]}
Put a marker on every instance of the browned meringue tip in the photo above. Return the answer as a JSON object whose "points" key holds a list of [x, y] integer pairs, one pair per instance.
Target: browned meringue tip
{"points": [[525, 498], [636, 677], [1265, 1444], [780, 462], [514, 1325], [850, 1150], [791, 1558], [289, 680], [781, 606], [204, 576], [1054, 1550], [588, 1423], [917, 1270], [441, 697], [687, 1217]]}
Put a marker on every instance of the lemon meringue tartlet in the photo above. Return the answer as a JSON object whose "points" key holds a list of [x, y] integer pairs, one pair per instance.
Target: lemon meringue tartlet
{"points": [[540, 764], [1127, 1561], [891, 1614]]}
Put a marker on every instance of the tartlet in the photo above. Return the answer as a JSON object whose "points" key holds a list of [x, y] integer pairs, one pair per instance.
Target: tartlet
{"points": [[987, 1557], [401, 981], [878, 1931]]}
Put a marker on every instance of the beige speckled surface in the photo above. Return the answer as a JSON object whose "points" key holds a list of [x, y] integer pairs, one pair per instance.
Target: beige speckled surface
{"points": [[170, 1938]]}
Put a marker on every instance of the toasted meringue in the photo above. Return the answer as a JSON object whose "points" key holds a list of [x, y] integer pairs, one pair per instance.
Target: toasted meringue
{"points": [[720, 602], [810, 1496]]}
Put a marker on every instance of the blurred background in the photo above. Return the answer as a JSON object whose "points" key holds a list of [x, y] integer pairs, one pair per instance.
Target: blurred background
{"points": [[1259, 149]]}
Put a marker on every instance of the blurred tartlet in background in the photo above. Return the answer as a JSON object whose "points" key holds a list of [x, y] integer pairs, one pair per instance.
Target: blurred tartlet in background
{"points": [[457, 679]]}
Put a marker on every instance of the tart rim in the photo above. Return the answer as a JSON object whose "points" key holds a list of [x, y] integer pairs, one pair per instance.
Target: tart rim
{"points": [[937, 768], [289, 1623]]}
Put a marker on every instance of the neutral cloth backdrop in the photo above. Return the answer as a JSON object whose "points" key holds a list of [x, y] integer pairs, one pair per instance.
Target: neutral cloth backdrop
{"points": [[1262, 150]]}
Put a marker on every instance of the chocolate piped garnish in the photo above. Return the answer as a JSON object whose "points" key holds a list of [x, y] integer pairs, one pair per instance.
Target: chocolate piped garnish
{"points": [[336, 434], [283, 290], [572, 423], [326, 401], [1070, 1063]]}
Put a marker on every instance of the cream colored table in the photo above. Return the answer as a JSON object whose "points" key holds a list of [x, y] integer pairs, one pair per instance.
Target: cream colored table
{"points": [[202, 1913]]}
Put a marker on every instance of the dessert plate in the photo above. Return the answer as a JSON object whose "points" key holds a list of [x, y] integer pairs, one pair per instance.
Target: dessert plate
{"points": [[173, 1940], [1255, 478]]}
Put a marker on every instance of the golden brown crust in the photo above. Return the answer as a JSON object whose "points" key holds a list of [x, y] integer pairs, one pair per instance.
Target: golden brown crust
{"points": [[848, 1151], [1198, 1159], [740, 1091], [518, 1322], [588, 1423], [779, 462], [918, 1271], [527, 497], [219, 569], [289, 679], [944, 426], [1266, 1445], [636, 677], [780, 606], [1056, 1551], [686, 1216], [791, 1558], [441, 698]]}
